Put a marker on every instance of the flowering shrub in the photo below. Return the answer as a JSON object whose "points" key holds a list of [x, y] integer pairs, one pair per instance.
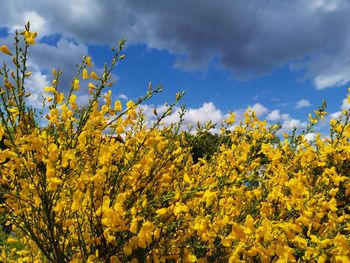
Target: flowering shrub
{"points": [[74, 191]]}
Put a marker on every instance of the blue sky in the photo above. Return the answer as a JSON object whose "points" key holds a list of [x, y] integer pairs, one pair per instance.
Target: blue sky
{"points": [[226, 55]]}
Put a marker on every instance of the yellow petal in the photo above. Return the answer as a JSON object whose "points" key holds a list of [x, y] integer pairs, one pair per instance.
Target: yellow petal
{"points": [[118, 105], [94, 75], [85, 74], [12, 240], [130, 104], [114, 259], [49, 89], [91, 259], [72, 98], [76, 84], [4, 49], [88, 61], [161, 211], [133, 226]]}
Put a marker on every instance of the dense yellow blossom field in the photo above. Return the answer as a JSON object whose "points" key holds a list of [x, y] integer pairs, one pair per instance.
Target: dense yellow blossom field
{"points": [[97, 185]]}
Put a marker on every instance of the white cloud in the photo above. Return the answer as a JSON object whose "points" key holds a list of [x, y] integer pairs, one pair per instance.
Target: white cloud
{"points": [[325, 5], [289, 125], [303, 103], [37, 23], [335, 115], [259, 109], [35, 85], [83, 99], [345, 105], [329, 80], [122, 96], [207, 112], [285, 116], [63, 56], [310, 136], [274, 116], [314, 33]]}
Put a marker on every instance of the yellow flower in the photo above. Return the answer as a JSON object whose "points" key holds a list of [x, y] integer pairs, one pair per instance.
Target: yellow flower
{"points": [[54, 113], [200, 225], [231, 118], [240, 232], [342, 259], [249, 224], [145, 234], [132, 114], [82, 138], [180, 208], [118, 105], [332, 122], [59, 98], [76, 84], [50, 172], [60, 206], [77, 196], [91, 87], [4, 49], [191, 258], [11, 240], [88, 61], [104, 108], [72, 102], [85, 74], [332, 205], [130, 104], [120, 129], [30, 37], [50, 89], [53, 152], [108, 98], [187, 178], [300, 242], [226, 242], [91, 259], [342, 244], [133, 226], [209, 197], [161, 211], [53, 183], [1, 131], [114, 259], [54, 71], [94, 75]]}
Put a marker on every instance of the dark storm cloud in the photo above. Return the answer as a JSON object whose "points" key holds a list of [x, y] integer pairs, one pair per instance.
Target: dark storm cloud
{"points": [[250, 38]]}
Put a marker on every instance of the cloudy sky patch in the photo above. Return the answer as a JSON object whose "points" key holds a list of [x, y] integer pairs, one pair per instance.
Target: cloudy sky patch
{"points": [[223, 53]]}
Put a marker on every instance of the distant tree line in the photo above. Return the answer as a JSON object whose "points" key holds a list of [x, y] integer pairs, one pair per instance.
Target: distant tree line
{"points": [[205, 144]]}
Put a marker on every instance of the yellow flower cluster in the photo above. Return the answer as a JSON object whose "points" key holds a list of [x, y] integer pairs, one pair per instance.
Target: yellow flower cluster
{"points": [[97, 185]]}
